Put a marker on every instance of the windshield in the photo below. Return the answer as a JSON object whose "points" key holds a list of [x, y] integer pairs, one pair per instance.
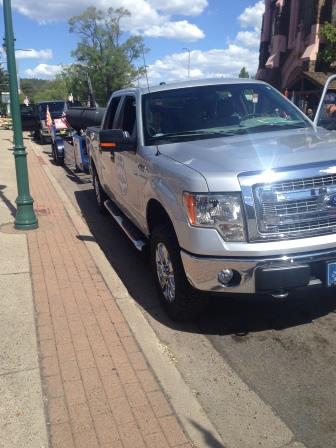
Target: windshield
{"points": [[216, 111], [27, 110], [327, 116], [55, 108]]}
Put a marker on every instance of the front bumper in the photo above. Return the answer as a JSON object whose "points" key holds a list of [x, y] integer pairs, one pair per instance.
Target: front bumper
{"points": [[254, 275]]}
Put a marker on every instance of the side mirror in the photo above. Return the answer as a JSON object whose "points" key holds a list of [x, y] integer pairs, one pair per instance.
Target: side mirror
{"points": [[319, 112], [116, 140]]}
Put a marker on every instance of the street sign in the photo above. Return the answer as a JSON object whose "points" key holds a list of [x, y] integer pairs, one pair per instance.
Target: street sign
{"points": [[5, 97]]}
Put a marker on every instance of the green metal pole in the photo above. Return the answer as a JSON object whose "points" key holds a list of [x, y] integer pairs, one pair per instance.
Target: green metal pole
{"points": [[25, 218]]}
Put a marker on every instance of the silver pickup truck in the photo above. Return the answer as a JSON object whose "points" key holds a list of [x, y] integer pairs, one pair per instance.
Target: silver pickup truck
{"points": [[232, 186]]}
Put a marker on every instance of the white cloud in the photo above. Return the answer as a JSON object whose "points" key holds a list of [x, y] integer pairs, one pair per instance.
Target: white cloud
{"points": [[183, 7], [43, 71], [243, 51], [214, 63], [148, 16], [249, 38], [34, 54], [181, 30], [30, 53], [252, 15]]}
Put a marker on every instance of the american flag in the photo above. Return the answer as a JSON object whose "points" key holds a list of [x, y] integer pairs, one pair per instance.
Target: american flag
{"points": [[48, 118]]}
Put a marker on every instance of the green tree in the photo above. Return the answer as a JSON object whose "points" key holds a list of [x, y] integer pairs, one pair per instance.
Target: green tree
{"points": [[32, 87], [3, 80], [75, 77], [4, 87], [103, 52], [327, 55], [243, 73], [55, 89]]}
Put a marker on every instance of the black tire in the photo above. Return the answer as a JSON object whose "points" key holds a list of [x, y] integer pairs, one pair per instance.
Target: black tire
{"points": [[54, 155], [59, 161], [186, 303], [42, 139], [100, 194]]}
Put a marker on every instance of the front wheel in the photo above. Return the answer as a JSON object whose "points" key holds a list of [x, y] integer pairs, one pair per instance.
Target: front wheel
{"points": [[180, 300], [42, 139], [101, 196]]}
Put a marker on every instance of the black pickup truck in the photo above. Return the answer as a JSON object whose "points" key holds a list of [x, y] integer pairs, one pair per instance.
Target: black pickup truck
{"points": [[29, 118]]}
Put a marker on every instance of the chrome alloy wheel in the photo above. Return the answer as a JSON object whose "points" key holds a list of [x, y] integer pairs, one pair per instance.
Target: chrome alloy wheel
{"points": [[165, 272]]}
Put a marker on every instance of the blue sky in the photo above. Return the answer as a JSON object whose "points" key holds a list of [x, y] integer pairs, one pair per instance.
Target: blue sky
{"points": [[222, 35]]}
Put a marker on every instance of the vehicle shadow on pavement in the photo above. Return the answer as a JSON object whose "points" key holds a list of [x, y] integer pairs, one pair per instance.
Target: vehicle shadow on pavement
{"points": [[233, 314], [209, 439], [244, 314]]}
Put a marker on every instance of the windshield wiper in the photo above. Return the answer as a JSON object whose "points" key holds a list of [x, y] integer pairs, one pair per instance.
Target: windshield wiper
{"points": [[276, 126], [178, 134], [199, 133]]}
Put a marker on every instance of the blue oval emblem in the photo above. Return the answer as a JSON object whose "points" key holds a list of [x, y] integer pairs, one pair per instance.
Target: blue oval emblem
{"points": [[330, 201]]}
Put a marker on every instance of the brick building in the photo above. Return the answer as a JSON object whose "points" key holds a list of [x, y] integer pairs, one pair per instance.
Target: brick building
{"points": [[289, 47]]}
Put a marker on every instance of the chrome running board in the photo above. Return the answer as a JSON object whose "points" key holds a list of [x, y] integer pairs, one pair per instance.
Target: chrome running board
{"points": [[126, 225]]}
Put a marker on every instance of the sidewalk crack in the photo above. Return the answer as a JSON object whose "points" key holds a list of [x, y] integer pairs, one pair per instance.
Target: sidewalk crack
{"points": [[13, 372]]}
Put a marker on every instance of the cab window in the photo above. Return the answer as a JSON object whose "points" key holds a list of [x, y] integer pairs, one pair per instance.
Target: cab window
{"points": [[111, 114], [127, 117]]}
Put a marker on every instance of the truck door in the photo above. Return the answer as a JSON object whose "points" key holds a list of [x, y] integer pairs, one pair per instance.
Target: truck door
{"points": [[326, 111], [128, 182], [106, 159]]}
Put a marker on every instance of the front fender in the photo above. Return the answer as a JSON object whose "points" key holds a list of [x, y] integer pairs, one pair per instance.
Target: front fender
{"points": [[168, 181]]}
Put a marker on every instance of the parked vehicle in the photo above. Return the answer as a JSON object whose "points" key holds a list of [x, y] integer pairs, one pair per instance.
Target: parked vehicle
{"points": [[29, 117], [326, 112], [56, 109], [230, 184], [68, 141]]}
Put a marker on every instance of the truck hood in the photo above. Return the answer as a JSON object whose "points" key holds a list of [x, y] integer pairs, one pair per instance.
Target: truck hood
{"points": [[221, 160]]}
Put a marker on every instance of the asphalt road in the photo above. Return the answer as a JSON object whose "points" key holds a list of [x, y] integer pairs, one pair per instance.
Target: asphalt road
{"points": [[284, 351]]}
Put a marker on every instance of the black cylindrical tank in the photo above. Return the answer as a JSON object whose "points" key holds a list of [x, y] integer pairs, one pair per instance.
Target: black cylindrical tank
{"points": [[83, 117]]}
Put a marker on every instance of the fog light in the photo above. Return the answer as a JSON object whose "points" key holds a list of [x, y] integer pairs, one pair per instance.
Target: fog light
{"points": [[225, 276]]}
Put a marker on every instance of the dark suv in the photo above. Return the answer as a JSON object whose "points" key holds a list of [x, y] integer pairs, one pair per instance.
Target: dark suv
{"points": [[56, 109]]}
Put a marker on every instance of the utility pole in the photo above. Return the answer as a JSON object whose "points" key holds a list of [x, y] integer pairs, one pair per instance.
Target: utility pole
{"points": [[25, 218]]}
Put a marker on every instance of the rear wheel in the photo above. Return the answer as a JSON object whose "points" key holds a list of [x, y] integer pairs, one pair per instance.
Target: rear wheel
{"points": [[56, 159], [180, 300], [42, 139], [101, 196]]}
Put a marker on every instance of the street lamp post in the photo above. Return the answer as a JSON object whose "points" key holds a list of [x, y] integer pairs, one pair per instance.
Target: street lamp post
{"points": [[25, 218], [189, 51]]}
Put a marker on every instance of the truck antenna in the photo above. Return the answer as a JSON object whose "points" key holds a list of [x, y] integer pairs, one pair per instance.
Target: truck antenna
{"points": [[144, 60], [91, 94]]}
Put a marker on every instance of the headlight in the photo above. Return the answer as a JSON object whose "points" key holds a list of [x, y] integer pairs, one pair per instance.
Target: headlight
{"points": [[222, 211]]}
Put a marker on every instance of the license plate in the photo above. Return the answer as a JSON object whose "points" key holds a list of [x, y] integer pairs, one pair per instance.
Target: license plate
{"points": [[331, 274]]}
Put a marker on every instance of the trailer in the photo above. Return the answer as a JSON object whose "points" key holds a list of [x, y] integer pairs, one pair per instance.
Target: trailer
{"points": [[68, 146], [75, 153]]}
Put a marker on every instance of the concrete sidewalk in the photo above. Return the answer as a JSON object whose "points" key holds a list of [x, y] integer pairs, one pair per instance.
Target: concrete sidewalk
{"points": [[98, 387], [22, 418]]}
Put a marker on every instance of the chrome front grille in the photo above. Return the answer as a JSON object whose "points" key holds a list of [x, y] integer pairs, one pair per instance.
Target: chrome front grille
{"points": [[290, 208], [296, 208], [302, 184]]}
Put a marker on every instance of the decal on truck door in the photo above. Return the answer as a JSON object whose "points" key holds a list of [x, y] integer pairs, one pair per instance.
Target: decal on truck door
{"points": [[121, 175]]}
